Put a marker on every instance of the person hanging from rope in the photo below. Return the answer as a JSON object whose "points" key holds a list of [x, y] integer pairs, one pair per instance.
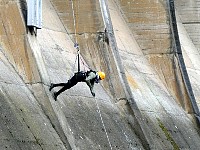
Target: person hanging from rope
{"points": [[89, 77]]}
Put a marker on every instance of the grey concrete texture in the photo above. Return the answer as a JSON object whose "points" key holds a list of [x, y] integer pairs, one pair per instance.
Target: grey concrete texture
{"points": [[135, 106], [23, 123], [154, 95], [189, 42]]}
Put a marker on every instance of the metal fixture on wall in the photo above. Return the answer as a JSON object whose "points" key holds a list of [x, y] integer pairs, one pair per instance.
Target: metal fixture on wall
{"points": [[34, 13]]}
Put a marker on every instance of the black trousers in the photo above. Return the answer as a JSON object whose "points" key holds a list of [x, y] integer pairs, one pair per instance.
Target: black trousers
{"points": [[78, 77]]}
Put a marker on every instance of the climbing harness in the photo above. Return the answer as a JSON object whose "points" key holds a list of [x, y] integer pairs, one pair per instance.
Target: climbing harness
{"points": [[80, 61]]}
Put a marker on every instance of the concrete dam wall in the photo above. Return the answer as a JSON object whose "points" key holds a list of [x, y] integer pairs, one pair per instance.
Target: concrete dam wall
{"points": [[147, 101]]}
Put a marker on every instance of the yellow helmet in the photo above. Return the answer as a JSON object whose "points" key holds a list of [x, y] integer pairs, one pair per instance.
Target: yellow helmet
{"points": [[102, 75]]}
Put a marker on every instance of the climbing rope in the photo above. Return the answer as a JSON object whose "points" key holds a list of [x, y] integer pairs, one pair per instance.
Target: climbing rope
{"points": [[103, 122], [73, 68], [78, 57], [76, 45], [75, 22], [75, 33], [84, 64]]}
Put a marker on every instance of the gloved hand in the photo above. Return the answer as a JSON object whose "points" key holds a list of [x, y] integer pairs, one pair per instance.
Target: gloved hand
{"points": [[93, 94]]}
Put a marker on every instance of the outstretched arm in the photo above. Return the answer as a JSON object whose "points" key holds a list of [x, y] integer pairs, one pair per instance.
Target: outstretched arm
{"points": [[91, 86], [89, 81]]}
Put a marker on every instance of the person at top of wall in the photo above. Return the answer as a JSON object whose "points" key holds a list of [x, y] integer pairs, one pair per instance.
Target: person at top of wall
{"points": [[89, 77]]}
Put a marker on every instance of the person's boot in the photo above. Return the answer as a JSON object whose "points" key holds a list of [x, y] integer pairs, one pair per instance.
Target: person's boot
{"points": [[55, 96], [51, 87]]}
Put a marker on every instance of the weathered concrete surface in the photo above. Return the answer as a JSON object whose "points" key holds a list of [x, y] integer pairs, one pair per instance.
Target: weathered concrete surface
{"points": [[31, 119], [189, 15], [145, 84], [188, 26], [149, 24], [76, 109], [23, 123], [13, 39]]}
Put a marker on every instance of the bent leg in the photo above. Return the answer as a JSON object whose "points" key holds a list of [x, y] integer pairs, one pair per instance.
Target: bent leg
{"points": [[59, 84], [67, 85], [55, 85]]}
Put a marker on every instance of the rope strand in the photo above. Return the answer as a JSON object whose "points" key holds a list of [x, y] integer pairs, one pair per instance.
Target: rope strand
{"points": [[74, 19], [73, 68], [103, 123], [75, 32]]}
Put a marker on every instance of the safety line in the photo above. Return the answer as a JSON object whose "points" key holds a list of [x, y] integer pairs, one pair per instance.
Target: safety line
{"points": [[103, 123], [84, 64], [75, 32], [73, 67], [74, 19]]}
